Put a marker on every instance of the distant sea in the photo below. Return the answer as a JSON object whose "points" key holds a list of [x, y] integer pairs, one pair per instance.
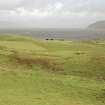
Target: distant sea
{"points": [[65, 34]]}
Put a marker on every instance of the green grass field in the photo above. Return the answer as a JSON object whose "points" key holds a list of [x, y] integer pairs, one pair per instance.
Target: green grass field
{"points": [[34, 72]]}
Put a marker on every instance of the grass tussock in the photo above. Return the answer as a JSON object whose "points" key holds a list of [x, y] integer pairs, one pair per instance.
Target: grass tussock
{"points": [[79, 53]]}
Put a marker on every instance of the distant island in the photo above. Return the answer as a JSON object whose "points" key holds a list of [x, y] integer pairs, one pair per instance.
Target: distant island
{"points": [[97, 25]]}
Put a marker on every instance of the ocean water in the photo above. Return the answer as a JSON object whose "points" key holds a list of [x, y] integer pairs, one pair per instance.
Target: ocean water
{"points": [[64, 34]]}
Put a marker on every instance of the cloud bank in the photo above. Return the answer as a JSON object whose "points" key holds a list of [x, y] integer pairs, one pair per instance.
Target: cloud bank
{"points": [[50, 13]]}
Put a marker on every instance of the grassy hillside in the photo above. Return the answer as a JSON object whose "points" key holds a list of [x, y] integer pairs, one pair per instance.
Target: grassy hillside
{"points": [[34, 72]]}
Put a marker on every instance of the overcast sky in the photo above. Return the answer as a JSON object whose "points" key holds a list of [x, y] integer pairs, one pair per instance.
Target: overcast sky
{"points": [[50, 13]]}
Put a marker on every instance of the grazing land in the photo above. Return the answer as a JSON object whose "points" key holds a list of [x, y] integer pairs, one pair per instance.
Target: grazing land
{"points": [[51, 72]]}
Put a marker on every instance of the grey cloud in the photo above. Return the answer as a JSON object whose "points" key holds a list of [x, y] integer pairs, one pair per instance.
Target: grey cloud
{"points": [[51, 13], [9, 4], [71, 5]]}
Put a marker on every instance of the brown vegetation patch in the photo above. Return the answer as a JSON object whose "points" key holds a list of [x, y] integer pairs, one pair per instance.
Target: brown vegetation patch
{"points": [[99, 60], [79, 53], [45, 62]]}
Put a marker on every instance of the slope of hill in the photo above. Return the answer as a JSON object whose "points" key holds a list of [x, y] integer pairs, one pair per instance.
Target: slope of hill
{"points": [[98, 25], [34, 72]]}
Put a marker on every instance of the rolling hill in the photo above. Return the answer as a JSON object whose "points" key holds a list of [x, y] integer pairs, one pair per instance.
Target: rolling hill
{"points": [[97, 25]]}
